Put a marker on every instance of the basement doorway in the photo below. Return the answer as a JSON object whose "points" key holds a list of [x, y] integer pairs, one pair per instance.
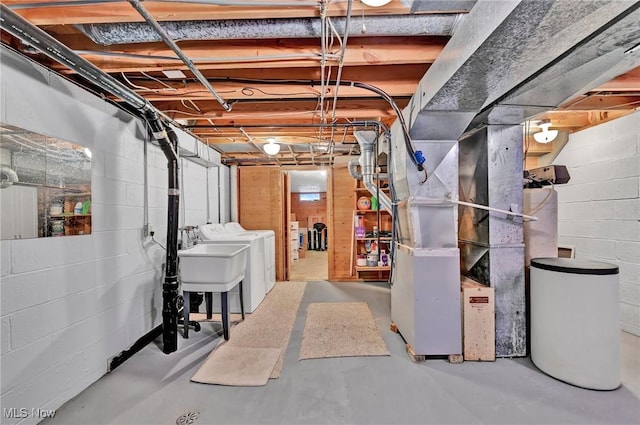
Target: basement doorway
{"points": [[308, 218]]}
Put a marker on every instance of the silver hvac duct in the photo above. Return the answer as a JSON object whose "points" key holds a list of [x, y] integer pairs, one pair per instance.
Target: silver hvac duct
{"points": [[139, 32], [367, 142], [425, 291], [17, 26], [508, 61], [7, 176]]}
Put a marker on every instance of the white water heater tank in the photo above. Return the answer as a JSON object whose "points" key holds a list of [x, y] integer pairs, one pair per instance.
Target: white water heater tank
{"points": [[541, 236]]}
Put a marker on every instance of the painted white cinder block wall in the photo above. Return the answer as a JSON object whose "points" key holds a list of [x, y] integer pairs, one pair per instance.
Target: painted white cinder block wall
{"points": [[599, 209], [68, 304]]}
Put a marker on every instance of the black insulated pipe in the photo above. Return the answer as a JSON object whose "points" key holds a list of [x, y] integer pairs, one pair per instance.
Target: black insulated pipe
{"points": [[170, 287], [17, 26]]}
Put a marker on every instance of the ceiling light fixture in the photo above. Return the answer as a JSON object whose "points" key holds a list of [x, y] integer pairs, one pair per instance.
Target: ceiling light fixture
{"points": [[546, 135], [271, 148], [375, 3]]}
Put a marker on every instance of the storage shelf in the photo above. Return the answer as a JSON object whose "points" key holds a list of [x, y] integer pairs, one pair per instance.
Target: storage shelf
{"points": [[364, 189], [372, 211], [369, 219], [69, 215], [372, 269]]}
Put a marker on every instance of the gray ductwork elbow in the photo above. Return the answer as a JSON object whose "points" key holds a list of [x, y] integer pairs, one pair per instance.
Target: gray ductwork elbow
{"points": [[353, 170], [367, 141], [7, 176]]}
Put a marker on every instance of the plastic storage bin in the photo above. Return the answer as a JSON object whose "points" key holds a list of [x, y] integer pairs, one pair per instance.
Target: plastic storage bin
{"points": [[575, 325]]}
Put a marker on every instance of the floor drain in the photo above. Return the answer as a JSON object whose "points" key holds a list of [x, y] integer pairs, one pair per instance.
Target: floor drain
{"points": [[187, 418]]}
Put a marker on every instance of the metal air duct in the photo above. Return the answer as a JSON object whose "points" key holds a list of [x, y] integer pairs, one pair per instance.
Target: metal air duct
{"points": [[508, 61], [7, 176], [367, 142], [140, 32]]}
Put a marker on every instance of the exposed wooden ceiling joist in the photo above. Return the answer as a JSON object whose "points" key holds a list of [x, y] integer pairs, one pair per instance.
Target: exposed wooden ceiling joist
{"points": [[393, 63]]}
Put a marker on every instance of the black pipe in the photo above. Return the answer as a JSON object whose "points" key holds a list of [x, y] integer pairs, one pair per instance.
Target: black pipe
{"points": [[168, 141], [170, 287], [14, 24]]}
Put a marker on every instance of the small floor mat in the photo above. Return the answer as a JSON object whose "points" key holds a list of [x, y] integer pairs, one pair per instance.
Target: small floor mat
{"points": [[341, 330], [267, 328], [238, 366]]}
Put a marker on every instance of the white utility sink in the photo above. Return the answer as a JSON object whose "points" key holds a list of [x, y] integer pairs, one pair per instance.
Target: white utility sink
{"points": [[204, 265]]}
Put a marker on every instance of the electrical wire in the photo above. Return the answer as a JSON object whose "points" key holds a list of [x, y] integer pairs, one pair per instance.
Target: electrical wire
{"points": [[426, 176], [403, 125], [195, 107], [249, 91], [143, 88], [156, 242]]}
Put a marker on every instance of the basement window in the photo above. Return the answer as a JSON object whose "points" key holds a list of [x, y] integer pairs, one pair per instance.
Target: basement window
{"points": [[309, 197]]}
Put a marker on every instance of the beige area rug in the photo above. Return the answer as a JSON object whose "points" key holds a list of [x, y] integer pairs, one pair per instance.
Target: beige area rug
{"points": [[261, 340], [238, 366], [341, 330]]}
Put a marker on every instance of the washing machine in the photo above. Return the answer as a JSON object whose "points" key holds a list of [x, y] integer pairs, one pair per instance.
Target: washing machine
{"points": [[269, 246], [254, 283]]}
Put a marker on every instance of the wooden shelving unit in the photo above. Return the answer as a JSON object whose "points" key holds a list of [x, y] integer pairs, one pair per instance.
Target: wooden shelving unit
{"points": [[70, 223], [371, 245]]}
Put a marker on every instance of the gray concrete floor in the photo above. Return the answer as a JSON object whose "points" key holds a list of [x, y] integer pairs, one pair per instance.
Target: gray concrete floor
{"points": [[153, 388]]}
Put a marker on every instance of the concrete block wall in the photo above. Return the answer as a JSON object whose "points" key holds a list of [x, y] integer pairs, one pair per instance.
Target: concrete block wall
{"points": [[68, 304], [599, 209]]}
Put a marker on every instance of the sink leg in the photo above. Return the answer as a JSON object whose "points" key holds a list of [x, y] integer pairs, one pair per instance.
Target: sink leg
{"points": [[241, 301], [225, 315], [185, 312], [208, 296]]}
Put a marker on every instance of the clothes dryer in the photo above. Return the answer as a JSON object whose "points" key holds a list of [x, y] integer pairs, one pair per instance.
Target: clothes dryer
{"points": [[269, 250]]}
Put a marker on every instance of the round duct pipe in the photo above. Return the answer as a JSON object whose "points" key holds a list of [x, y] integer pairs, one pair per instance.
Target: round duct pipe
{"points": [[7, 176]]}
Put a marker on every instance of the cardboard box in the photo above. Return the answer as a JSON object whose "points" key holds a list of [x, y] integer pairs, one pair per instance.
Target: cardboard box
{"points": [[478, 318]]}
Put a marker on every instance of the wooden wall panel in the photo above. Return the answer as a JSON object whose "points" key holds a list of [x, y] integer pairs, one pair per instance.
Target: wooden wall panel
{"points": [[302, 210], [261, 206], [340, 209]]}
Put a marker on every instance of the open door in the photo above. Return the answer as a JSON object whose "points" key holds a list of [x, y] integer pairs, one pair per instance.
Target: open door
{"points": [[309, 213]]}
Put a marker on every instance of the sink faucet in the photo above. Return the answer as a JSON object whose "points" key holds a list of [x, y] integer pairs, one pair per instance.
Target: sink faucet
{"points": [[189, 241]]}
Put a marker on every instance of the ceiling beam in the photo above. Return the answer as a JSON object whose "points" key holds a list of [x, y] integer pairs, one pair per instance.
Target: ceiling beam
{"points": [[113, 12], [629, 81], [606, 102], [260, 54], [578, 120], [402, 83], [265, 112]]}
